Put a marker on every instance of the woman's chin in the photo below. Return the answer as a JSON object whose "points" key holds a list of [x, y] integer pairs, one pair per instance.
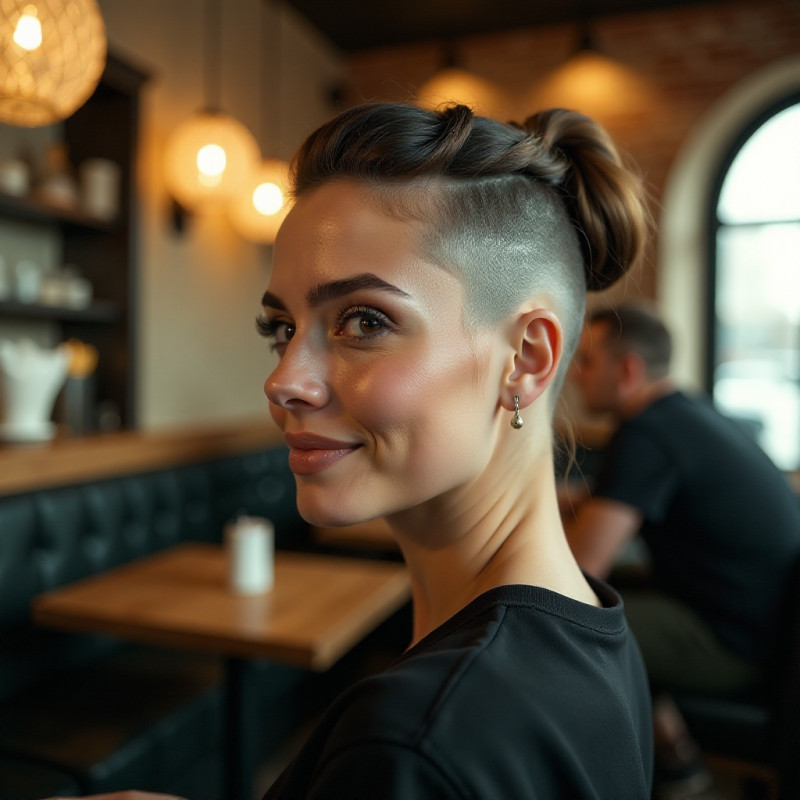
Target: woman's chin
{"points": [[327, 517]]}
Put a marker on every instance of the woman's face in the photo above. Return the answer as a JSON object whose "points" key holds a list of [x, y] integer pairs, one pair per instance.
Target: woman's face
{"points": [[385, 400]]}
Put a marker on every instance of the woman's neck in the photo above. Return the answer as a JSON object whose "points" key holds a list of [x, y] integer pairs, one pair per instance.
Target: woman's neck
{"points": [[501, 531]]}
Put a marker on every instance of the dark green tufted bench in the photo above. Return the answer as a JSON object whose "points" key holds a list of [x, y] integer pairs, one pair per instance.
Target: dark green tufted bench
{"points": [[90, 714]]}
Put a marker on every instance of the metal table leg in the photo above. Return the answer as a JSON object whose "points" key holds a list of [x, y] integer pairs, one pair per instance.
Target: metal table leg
{"points": [[239, 747]]}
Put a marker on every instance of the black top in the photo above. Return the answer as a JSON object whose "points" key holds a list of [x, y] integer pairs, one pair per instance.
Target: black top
{"points": [[523, 694], [720, 520]]}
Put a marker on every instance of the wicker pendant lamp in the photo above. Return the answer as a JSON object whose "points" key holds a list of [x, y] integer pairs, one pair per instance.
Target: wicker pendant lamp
{"points": [[52, 54], [210, 154], [263, 203]]}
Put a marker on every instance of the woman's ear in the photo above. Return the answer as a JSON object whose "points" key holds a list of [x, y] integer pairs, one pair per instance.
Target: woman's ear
{"points": [[538, 342]]}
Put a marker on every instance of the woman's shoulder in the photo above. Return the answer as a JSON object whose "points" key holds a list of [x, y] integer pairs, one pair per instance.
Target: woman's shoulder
{"points": [[498, 635], [498, 672]]}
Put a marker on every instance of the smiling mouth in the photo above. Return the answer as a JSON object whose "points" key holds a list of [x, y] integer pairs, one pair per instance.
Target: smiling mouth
{"points": [[310, 454]]}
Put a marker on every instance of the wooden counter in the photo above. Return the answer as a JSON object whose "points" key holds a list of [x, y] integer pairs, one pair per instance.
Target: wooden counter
{"points": [[26, 467]]}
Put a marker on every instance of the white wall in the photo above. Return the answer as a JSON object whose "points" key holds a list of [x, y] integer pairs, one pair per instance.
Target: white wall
{"points": [[199, 357]]}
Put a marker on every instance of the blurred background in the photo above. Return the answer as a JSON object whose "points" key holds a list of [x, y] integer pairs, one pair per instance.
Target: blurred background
{"points": [[703, 96]]}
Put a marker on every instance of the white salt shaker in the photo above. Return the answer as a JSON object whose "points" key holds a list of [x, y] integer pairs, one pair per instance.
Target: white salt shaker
{"points": [[250, 542]]}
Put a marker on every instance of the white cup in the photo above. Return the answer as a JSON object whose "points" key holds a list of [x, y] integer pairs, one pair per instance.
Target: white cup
{"points": [[6, 280], [250, 542], [29, 281], [100, 182], [15, 177]]}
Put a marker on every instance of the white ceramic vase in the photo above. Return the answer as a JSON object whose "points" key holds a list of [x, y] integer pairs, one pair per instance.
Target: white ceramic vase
{"points": [[30, 379]]}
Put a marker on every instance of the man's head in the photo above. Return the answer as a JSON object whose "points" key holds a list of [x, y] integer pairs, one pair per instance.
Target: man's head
{"points": [[622, 354]]}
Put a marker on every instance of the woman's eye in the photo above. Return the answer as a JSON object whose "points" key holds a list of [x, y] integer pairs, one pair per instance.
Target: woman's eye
{"points": [[280, 331], [361, 323]]}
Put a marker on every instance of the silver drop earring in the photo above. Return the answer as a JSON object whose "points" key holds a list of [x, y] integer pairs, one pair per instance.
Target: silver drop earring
{"points": [[516, 421]]}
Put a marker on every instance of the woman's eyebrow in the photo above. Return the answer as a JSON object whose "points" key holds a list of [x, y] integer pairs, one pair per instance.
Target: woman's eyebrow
{"points": [[323, 292], [273, 301]]}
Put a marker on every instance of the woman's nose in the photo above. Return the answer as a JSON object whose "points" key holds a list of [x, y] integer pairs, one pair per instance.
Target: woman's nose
{"points": [[298, 381]]}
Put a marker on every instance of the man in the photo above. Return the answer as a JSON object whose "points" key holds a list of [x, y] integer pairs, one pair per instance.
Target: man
{"points": [[720, 522]]}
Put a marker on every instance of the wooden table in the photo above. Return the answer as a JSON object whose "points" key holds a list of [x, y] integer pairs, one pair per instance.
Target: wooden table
{"points": [[319, 607]]}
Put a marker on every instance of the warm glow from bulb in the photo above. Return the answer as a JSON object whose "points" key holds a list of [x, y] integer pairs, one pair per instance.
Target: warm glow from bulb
{"points": [[267, 198], [454, 85], [594, 85], [211, 161], [259, 210], [28, 33]]}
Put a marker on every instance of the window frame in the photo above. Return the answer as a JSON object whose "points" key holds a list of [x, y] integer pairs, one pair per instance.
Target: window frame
{"points": [[714, 225]]}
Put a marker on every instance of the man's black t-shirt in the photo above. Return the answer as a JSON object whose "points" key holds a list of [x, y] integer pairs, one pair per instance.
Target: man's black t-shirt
{"points": [[720, 521], [523, 694]]}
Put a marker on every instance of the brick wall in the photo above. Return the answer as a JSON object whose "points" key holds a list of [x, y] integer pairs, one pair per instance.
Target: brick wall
{"points": [[658, 73]]}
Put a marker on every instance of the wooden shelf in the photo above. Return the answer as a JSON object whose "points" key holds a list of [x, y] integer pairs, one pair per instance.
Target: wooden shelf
{"points": [[100, 311], [103, 252], [29, 209]]}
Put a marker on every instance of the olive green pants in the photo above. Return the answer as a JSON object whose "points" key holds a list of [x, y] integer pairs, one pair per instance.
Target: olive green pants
{"points": [[680, 651]]}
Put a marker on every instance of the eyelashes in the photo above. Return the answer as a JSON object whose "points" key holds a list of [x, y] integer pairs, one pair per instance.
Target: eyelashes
{"points": [[371, 322], [279, 331], [265, 327], [355, 323]]}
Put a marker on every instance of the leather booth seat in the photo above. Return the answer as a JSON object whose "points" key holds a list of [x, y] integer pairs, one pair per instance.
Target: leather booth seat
{"points": [[96, 714]]}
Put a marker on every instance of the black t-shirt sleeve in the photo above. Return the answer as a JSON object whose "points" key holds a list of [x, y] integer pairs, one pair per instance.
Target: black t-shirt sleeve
{"points": [[371, 770], [637, 471]]}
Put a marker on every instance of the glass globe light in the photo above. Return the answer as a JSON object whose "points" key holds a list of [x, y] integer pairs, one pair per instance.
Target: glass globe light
{"points": [[209, 157], [259, 209], [52, 55]]}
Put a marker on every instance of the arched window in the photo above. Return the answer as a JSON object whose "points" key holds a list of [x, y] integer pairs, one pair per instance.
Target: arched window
{"points": [[754, 335]]}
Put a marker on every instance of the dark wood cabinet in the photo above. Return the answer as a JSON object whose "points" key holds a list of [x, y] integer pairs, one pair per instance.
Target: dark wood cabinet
{"points": [[106, 126]]}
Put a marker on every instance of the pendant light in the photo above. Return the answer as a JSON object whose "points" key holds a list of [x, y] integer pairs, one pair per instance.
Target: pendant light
{"points": [[454, 84], [259, 209], [210, 154], [52, 54]]}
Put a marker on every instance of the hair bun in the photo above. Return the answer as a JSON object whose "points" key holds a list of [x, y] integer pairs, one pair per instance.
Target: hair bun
{"points": [[604, 197]]}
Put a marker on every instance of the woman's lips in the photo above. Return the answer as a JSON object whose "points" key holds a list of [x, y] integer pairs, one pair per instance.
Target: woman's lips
{"points": [[310, 454]]}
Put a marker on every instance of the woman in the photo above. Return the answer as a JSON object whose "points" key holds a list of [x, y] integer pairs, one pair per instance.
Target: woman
{"points": [[427, 293]]}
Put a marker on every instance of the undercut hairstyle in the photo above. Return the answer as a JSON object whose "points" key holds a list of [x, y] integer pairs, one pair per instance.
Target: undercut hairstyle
{"points": [[545, 206], [639, 330]]}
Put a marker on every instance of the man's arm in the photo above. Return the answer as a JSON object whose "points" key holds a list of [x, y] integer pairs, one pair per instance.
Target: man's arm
{"points": [[597, 532]]}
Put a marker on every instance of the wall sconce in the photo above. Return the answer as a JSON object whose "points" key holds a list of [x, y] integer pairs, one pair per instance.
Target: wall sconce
{"points": [[210, 154], [52, 55]]}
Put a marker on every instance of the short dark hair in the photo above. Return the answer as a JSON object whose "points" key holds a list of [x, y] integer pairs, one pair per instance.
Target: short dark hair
{"points": [[639, 329], [543, 206]]}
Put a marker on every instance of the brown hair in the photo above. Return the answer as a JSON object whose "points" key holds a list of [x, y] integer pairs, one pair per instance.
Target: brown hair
{"points": [[545, 206], [638, 329]]}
